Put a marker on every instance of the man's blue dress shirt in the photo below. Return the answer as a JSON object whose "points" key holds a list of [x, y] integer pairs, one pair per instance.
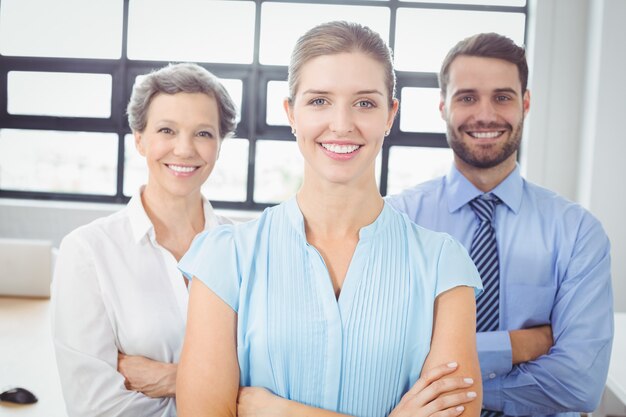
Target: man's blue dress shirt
{"points": [[554, 269]]}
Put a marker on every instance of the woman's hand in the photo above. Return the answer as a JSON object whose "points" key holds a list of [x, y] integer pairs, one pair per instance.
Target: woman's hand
{"points": [[152, 378], [433, 394], [259, 402]]}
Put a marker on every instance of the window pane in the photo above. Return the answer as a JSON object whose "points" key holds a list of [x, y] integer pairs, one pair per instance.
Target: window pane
{"points": [[235, 90], [516, 3], [278, 171], [276, 93], [68, 28], [135, 168], [409, 166], [191, 30], [230, 175], [59, 94], [423, 37], [227, 182], [419, 110], [54, 161], [279, 33]]}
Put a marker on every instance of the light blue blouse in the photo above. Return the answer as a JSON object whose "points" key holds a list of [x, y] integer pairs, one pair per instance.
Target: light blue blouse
{"points": [[357, 354]]}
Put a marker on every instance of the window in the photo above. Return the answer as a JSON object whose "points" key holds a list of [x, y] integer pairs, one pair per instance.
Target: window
{"points": [[67, 71]]}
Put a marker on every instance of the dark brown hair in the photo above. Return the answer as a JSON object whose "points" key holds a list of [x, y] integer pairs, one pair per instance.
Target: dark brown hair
{"points": [[486, 45]]}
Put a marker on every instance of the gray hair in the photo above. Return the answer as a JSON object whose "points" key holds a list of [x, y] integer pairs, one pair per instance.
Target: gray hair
{"points": [[180, 78], [338, 37]]}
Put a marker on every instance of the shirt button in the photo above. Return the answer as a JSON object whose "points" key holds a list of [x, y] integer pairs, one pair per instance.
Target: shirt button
{"points": [[492, 375]]}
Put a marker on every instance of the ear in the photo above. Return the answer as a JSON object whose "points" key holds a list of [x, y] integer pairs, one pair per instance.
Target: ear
{"points": [[442, 106], [139, 143], [392, 113], [526, 102], [289, 112]]}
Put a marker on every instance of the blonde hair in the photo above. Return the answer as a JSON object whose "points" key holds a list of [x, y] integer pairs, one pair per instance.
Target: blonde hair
{"points": [[335, 38]]}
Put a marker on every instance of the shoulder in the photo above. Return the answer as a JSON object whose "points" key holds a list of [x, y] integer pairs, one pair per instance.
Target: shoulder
{"points": [[240, 234], [409, 199], [114, 228], [559, 209]]}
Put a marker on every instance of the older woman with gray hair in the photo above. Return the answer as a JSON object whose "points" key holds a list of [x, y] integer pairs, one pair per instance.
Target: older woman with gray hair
{"points": [[119, 303]]}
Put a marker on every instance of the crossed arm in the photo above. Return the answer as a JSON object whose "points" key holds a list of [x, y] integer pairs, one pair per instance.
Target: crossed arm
{"points": [[560, 367], [208, 373]]}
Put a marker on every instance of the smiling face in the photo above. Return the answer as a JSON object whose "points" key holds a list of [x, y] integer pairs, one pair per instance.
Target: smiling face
{"points": [[340, 114], [180, 142], [484, 110]]}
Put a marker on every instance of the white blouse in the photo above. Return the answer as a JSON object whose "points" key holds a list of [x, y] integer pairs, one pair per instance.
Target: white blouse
{"points": [[116, 289]]}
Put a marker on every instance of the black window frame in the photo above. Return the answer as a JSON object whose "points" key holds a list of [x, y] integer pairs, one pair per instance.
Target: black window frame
{"points": [[254, 77]]}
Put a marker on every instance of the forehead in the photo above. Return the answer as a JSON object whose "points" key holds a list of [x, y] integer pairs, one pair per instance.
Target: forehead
{"points": [[478, 73], [350, 71], [191, 108], [182, 103]]}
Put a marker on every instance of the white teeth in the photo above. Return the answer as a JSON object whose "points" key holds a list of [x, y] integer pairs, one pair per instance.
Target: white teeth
{"points": [[179, 168], [333, 147], [485, 135]]}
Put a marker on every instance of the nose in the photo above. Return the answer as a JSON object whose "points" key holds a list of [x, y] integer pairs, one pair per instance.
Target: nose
{"points": [[486, 111], [342, 121], [183, 145]]}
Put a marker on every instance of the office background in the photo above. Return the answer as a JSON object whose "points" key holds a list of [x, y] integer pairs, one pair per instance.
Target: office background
{"points": [[573, 141]]}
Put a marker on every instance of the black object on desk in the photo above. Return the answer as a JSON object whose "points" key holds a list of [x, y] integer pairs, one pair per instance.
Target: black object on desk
{"points": [[18, 396]]}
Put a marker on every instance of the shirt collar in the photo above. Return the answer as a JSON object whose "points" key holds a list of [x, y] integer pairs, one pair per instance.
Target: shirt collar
{"points": [[142, 225], [461, 191], [297, 219]]}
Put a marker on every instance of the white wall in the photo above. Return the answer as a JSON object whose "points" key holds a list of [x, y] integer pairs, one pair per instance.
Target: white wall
{"points": [[572, 141]]}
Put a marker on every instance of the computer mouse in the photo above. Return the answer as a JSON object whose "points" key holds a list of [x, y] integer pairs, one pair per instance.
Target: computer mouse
{"points": [[18, 396]]}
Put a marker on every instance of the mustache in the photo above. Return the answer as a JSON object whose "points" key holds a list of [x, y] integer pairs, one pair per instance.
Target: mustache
{"points": [[482, 125]]}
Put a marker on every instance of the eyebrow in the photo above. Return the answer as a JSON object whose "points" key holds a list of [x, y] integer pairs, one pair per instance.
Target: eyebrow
{"points": [[312, 91], [473, 91], [199, 126]]}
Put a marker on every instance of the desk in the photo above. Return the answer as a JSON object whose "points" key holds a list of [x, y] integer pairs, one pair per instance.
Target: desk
{"points": [[614, 397], [27, 357]]}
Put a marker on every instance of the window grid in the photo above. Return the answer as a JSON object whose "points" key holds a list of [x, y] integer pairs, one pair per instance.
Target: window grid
{"points": [[254, 76]]}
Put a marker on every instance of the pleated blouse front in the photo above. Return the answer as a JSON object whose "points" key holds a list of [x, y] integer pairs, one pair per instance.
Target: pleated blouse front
{"points": [[357, 354]]}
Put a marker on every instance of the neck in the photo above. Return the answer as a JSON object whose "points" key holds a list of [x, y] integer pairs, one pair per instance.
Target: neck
{"points": [[486, 179], [338, 211], [173, 215]]}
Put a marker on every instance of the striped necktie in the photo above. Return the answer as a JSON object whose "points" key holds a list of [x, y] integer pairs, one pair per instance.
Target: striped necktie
{"points": [[484, 253]]}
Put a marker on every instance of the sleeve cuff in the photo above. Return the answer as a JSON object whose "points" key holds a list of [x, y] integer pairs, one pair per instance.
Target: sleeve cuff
{"points": [[494, 354]]}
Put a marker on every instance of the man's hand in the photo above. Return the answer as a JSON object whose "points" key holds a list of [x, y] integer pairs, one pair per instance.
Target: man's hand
{"points": [[529, 344], [152, 378]]}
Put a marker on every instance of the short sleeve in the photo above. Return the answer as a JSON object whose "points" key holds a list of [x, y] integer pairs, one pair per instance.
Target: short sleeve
{"points": [[212, 258], [455, 268]]}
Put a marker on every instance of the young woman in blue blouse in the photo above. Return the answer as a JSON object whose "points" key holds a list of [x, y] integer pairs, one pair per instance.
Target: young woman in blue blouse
{"points": [[332, 302]]}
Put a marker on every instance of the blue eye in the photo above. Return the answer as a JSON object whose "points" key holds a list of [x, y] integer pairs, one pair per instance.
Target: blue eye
{"points": [[318, 101], [366, 104]]}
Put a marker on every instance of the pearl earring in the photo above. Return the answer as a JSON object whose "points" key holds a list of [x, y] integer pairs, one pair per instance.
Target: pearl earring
{"points": [[387, 133], [293, 131]]}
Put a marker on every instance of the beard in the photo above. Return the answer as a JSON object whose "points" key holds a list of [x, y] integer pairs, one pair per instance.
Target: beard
{"points": [[490, 156]]}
